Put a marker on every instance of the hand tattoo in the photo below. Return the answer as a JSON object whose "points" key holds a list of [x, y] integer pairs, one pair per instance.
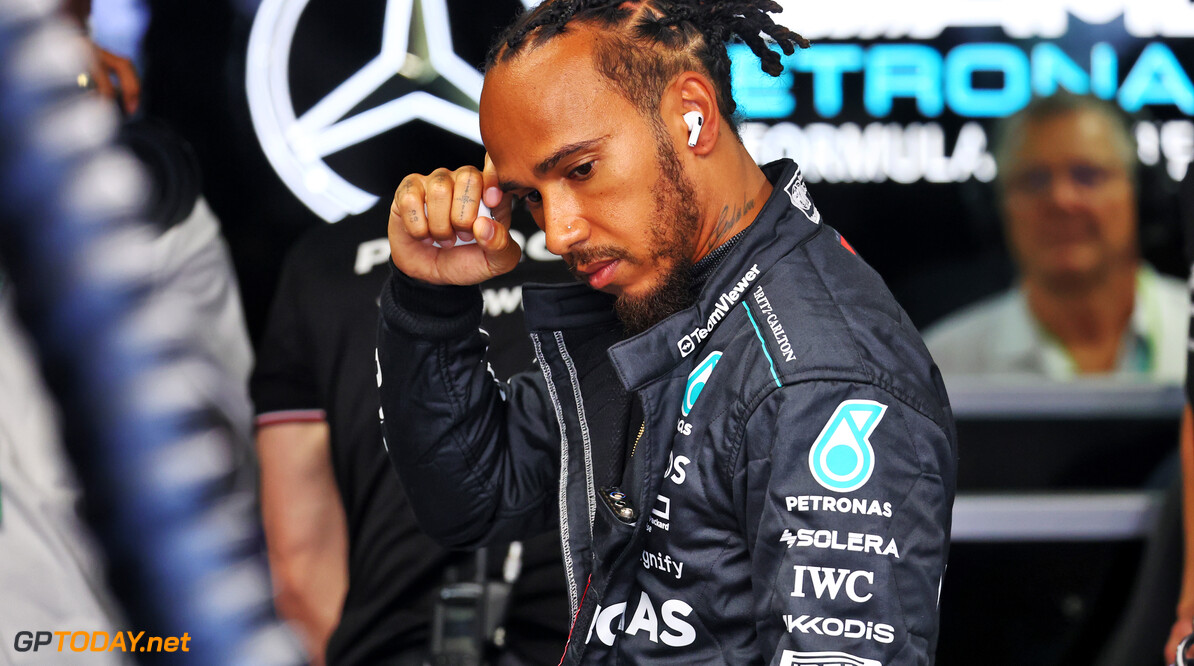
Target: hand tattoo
{"points": [[466, 198]]}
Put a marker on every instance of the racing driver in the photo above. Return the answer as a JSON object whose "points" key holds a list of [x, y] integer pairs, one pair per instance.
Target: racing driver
{"points": [[740, 436]]}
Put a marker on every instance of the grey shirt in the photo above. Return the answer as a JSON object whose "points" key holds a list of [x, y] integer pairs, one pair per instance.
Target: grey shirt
{"points": [[51, 570], [1000, 337]]}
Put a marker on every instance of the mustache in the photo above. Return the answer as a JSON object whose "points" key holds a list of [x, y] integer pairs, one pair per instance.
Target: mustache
{"points": [[589, 255]]}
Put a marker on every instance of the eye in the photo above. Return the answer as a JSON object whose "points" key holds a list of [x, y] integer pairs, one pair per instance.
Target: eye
{"points": [[581, 172], [1088, 175], [533, 198]]}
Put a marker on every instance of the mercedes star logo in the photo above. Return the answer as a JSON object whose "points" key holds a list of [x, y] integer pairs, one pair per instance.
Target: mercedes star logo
{"points": [[416, 44]]}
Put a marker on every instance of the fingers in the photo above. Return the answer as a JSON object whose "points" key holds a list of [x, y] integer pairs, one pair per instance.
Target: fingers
{"points": [[128, 84], [408, 207], [126, 77], [1179, 631], [438, 188], [466, 199], [430, 214], [501, 252], [452, 199], [493, 193], [498, 201]]}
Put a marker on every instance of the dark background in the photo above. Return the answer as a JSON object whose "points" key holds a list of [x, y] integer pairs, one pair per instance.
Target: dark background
{"points": [[193, 61], [939, 246]]}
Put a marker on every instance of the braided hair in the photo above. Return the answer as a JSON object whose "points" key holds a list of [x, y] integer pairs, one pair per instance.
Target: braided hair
{"points": [[678, 35]]}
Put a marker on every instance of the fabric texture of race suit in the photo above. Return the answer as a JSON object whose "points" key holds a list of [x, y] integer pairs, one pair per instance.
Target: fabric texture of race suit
{"points": [[789, 498]]}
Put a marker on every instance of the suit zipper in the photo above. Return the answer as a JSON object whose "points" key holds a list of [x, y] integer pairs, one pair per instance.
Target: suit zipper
{"points": [[641, 429]]}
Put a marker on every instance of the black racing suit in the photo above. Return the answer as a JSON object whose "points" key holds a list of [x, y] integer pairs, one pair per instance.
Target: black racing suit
{"points": [[780, 493]]}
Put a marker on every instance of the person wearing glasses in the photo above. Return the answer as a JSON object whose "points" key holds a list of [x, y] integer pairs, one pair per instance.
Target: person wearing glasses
{"points": [[1085, 303]]}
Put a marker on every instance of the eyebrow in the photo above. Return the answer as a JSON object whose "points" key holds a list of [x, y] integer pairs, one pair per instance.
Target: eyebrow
{"points": [[551, 162], [565, 152]]}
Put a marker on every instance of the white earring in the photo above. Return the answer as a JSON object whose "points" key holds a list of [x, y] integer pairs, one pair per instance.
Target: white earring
{"points": [[695, 120]]}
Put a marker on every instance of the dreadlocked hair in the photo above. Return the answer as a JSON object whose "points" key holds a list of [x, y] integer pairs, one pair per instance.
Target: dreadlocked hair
{"points": [[679, 36]]}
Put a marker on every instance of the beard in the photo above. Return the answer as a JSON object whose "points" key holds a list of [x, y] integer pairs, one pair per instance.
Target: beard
{"points": [[673, 240], [672, 243]]}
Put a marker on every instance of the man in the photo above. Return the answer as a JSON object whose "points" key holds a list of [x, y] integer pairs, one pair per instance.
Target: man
{"points": [[1184, 623], [54, 571], [1085, 303], [764, 472], [352, 571]]}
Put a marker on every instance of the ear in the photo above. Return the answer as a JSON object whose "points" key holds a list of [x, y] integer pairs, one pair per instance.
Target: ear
{"points": [[691, 91]]}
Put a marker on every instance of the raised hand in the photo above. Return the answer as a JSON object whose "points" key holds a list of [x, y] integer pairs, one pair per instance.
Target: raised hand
{"points": [[438, 233]]}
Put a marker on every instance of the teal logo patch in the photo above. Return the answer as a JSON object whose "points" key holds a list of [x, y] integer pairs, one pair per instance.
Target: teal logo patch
{"points": [[842, 458], [697, 380]]}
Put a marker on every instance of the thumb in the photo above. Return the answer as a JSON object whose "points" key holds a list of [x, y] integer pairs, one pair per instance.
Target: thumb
{"points": [[492, 195], [494, 239]]}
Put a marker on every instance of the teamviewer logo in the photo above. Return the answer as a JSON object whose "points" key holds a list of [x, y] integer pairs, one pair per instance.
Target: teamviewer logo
{"points": [[687, 345]]}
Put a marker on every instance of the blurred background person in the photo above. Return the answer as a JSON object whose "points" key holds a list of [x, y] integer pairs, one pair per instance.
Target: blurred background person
{"points": [[42, 525], [156, 247], [191, 259], [52, 571], [1085, 303]]}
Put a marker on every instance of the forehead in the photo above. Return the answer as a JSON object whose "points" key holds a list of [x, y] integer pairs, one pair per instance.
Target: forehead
{"points": [[1078, 135], [547, 96]]}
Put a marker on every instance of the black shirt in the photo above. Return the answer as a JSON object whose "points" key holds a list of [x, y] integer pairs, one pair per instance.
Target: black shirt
{"points": [[316, 362]]}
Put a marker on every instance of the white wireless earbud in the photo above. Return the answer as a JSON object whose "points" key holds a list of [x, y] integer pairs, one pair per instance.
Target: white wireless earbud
{"points": [[695, 120]]}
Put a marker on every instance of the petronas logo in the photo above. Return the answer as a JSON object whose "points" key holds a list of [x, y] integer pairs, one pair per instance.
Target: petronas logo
{"points": [[842, 458]]}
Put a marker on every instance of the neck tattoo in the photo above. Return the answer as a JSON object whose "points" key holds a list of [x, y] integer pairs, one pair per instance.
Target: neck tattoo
{"points": [[725, 223]]}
